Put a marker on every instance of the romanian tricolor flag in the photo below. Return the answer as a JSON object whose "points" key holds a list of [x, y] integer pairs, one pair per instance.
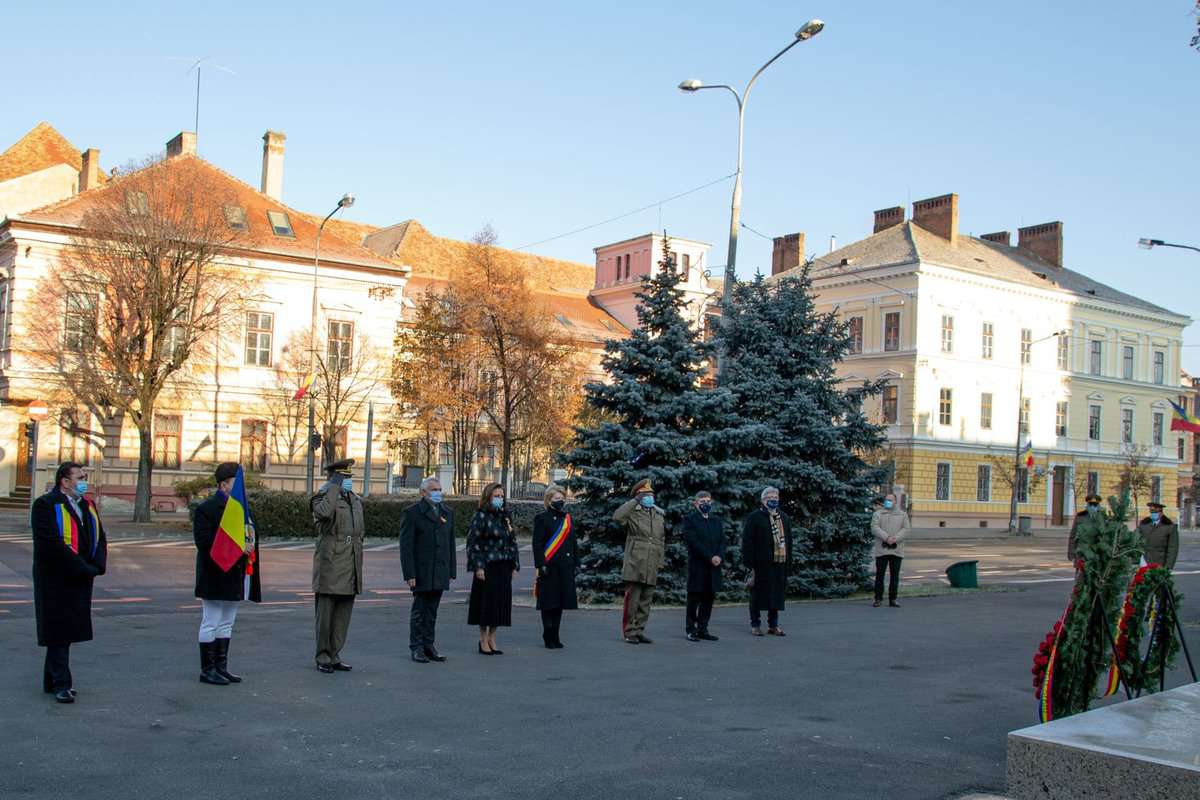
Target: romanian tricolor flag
{"points": [[1181, 420], [305, 387], [230, 543], [1028, 453], [557, 540]]}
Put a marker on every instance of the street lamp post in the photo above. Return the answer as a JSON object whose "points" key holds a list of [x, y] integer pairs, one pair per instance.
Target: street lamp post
{"points": [[809, 30], [1012, 508], [1150, 244], [346, 201]]}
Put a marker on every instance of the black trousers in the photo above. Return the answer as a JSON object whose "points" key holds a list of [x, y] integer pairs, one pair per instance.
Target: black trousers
{"points": [[882, 564], [551, 620], [756, 617], [699, 611], [423, 619], [56, 675]]}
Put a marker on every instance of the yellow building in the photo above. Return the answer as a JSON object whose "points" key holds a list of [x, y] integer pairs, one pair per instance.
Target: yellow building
{"points": [[972, 334]]}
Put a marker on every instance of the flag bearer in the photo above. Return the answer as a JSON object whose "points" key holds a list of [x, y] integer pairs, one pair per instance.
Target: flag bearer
{"points": [[226, 569], [337, 563]]}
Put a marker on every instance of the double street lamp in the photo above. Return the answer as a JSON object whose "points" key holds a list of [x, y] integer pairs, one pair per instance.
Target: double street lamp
{"points": [[1026, 352], [808, 31], [346, 201]]}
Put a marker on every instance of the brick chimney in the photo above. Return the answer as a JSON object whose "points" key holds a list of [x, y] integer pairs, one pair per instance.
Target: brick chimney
{"points": [[272, 168], [939, 216], [184, 144], [1045, 241], [888, 218], [787, 253], [89, 169], [999, 237]]}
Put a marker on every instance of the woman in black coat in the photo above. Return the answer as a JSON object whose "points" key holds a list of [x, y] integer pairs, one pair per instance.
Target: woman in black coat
{"points": [[704, 533], [555, 555], [767, 551], [220, 590], [69, 552], [492, 555]]}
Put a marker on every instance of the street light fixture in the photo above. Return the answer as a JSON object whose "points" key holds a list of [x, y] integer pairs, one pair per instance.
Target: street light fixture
{"points": [[806, 32], [1012, 508], [1150, 244], [346, 201]]}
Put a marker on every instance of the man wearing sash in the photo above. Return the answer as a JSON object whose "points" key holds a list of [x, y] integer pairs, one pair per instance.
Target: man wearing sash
{"points": [[69, 551], [554, 557]]}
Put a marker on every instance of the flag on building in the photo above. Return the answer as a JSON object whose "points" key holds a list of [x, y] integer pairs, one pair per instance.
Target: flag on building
{"points": [[230, 543], [305, 387], [1181, 420], [1028, 453]]}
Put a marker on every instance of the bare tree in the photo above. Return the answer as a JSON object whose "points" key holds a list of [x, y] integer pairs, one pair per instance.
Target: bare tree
{"points": [[1134, 476], [287, 416], [1002, 468], [140, 293]]}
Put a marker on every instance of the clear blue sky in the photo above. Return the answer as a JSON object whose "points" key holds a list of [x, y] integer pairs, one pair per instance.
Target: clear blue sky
{"points": [[540, 118]]}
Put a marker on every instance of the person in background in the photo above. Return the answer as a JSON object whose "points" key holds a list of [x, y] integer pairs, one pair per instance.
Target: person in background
{"points": [[704, 533], [429, 562], [1160, 537], [555, 555], [767, 552], [220, 590], [337, 563], [493, 556], [69, 552], [645, 545], [1089, 511], [889, 529]]}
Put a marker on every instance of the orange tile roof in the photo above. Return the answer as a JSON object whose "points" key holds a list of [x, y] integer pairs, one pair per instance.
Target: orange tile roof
{"points": [[41, 148], [259, 238]]}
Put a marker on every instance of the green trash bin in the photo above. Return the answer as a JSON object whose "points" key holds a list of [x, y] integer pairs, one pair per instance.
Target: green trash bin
{"points": [[963, 575]]}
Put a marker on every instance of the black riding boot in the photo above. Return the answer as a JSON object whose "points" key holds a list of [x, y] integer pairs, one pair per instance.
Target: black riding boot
{"points": [[222, 662], [208, 665]]}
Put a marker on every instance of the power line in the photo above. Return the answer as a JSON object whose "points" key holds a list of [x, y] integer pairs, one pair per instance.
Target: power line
{"points": [[629, 213]]}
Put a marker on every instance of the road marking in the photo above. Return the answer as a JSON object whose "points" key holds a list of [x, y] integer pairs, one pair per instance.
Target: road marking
{"points": [[179, 543], [295, 547], [15, 602], [381, 547], [121, 600]]}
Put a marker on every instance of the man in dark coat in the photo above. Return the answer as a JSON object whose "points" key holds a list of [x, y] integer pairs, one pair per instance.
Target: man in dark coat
{"points": [[767, 551], [337, 563], [429, 562], [220, 590], [69, 551], [1160, 537], [704, 533]]}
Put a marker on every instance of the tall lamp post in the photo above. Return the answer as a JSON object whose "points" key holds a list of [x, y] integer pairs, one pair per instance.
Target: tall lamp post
{"points": [[1012, 508], [808, 31], [1150, 244], [346, 201]]}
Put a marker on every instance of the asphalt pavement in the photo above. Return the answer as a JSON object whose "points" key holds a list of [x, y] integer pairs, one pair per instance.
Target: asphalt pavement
{"points": [[855, 702]]}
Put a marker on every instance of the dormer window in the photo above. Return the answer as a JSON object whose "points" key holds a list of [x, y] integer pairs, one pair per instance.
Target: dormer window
{"points": [[136, 203], [235, 217], [280, 224]]}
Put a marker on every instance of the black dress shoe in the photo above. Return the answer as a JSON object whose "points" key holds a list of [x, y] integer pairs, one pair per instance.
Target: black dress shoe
{"points": [[434, 655], [893, 604], [342, 666], [708, 637], [496, 652], [420, 657], [64, 696], [325, 668], [691, 637], [558, 645], [877, 604], [644, 639], [632, 640]]}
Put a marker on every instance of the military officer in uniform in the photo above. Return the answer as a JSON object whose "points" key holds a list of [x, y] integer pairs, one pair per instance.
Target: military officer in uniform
{"points": [[337, 563], [645, 536], [1090, 510], [429, 562], [1160, 537]]}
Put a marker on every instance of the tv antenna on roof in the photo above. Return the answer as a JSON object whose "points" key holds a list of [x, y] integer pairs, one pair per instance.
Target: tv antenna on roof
{"points": [[198, 65]]}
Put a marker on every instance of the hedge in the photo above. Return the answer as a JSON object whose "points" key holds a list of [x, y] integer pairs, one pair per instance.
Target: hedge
{"points": [[286, 514]]}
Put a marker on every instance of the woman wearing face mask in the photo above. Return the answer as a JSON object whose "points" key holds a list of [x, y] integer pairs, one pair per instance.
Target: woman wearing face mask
{"points": [[492, 555], [554, 557], [890, 527]]}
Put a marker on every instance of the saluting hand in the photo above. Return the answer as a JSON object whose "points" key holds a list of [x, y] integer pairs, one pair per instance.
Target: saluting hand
{"points": [[480, 575]]}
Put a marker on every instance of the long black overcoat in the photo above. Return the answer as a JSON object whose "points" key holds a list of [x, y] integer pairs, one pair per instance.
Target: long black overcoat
{"points": [[758, 554], [427, 546], [705, 538], [556, 577], [62, 578], [213, 583]]}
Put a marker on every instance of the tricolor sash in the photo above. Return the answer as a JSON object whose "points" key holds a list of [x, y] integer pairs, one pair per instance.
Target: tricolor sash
{"points": [[556, 541], [68, 528], [95, 517]]}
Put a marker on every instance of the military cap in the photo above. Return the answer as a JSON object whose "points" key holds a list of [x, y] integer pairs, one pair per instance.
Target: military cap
{"points": [[340, 467], [226, 471], [1159, 506], [1093, 498], [643, 485]]}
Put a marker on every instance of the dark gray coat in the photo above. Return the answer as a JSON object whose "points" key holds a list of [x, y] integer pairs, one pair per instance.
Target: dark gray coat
{"points": [[556, 577], [705, 538], [427, 546]]}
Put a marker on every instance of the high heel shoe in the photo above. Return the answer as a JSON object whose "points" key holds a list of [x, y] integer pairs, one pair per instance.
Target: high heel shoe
{"points": [[483, 652], [496, 652]]}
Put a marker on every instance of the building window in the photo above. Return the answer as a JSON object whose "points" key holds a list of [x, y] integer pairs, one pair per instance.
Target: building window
{"points": [[446, 454], [989, 331], [1097, 354], [626, 265], [1183, 402], [1064, 352], [254, 445], [1156, 428], [1127, 362], [1179, 448], [4, 317], [1023, 485], [1093, 483], [891, 331], [687, 263], [943, 481], [281, 225], [340, 346], [1060, 419], [1127, 425], [136, 203], [1025, 415], [1156, 488], [855, 329], [985, 411], [1160, 367], [890, 402], [168, 432], [945, 406], [983, 483], [260, 327], [73, 445], [1094, 423], [1026, 345], [235, 218], [947, 334], [79, 325]]}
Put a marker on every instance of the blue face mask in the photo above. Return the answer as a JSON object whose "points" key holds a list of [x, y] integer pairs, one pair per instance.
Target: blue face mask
{"points": [[705, 508], [887, 504], [1155, 516], [772, 504], [497, 503], [435, 495], [81, 487], [1093, 508], [647, 501], [347, 484]]}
